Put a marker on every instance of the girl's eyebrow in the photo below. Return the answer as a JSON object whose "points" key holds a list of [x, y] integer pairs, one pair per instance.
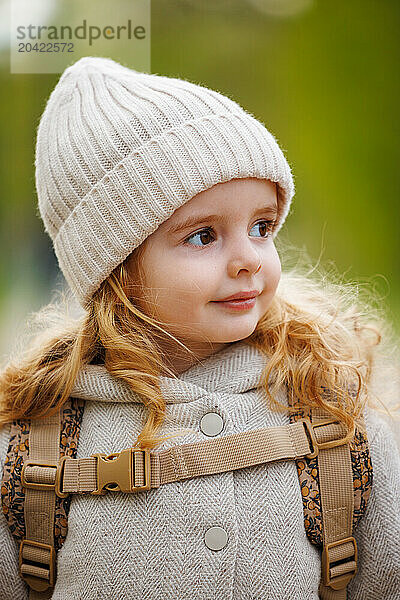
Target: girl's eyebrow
{"points": [[193, 220]]}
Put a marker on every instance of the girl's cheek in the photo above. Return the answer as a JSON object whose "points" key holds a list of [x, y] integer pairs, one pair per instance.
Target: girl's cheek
{"points": [[278, 274], [273, 274], [277, 261]]}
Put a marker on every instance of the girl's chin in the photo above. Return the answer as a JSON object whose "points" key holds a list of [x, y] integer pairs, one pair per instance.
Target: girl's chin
{"points": [[237, 328]]}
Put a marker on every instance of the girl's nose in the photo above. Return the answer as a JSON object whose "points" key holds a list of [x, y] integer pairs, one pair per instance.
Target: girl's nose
{"points": [[248, 259]]}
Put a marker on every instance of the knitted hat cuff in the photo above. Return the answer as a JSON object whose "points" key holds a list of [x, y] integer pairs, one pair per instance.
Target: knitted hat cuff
{"points": [[111, 221]]}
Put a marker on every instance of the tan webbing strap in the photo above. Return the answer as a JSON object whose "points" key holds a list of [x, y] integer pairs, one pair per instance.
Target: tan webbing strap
{"points": [[339, 553], [37, 552], [135, 469], [132, 468]]}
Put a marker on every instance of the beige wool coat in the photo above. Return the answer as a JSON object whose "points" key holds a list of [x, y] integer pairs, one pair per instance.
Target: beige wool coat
{"points": [[160, 544]]}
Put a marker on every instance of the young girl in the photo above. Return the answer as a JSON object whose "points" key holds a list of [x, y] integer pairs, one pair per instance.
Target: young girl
{"points": [[163, 200]]}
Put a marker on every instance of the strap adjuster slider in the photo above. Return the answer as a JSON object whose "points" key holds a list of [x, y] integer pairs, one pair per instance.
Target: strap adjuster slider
{"points": [[37, 564], [45, 485], [339, 565], [314, 444], [33, 485]]}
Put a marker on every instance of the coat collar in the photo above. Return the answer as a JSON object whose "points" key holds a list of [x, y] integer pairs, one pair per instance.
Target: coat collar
{"points": [[236, 368]]}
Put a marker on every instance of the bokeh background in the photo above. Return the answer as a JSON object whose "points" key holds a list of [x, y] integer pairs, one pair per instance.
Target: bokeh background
{"points": [[323, 75]]}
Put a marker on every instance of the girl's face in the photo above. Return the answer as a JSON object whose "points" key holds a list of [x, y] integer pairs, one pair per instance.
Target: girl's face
{"points": [[190, 267]]}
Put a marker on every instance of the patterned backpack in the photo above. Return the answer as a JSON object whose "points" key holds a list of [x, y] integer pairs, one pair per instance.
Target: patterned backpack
{"points": [[41, 471]]}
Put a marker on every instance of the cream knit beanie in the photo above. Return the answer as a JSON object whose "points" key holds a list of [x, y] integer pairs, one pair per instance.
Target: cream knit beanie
{"points": [[118, 151]]}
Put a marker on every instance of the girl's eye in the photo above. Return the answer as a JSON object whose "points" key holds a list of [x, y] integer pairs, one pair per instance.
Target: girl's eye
{"points": [[266, 227], [203, 235]]}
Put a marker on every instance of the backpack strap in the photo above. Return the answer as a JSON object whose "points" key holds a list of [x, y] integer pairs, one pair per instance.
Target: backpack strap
{"points": [[13, 493], [339, 550], [37, 555], [135, 469], [132, 470]]}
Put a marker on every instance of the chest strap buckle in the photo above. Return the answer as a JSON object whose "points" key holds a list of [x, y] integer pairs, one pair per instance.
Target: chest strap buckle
{"points": [[119, 471]]}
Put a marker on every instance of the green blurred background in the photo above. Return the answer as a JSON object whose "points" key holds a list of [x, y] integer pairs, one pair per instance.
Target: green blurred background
{"points": [[323, 76]]}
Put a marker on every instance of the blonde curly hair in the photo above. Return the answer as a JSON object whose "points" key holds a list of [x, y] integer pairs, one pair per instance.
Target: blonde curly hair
{"points": [[317, 334]]}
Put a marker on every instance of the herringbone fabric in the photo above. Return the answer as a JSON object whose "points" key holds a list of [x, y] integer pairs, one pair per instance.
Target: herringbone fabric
{"points": [[151, 545]]}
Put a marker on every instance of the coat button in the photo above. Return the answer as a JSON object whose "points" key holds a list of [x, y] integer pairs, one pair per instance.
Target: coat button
{"points": [[211, 424], [216, 538]]}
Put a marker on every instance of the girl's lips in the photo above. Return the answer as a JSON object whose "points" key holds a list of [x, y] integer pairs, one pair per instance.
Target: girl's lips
{"points": [[240, 296], [237, 304]]}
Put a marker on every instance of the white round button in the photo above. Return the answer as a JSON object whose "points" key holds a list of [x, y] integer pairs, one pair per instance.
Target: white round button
{"points": [[216, 538], [211, 424]]}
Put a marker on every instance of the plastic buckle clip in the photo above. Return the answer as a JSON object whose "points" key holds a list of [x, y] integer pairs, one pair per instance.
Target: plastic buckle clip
{"points": [[314, 444], [116, 472], [329, 564], [38, 574]]}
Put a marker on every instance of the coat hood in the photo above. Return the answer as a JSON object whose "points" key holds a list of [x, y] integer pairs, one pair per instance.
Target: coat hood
{"points": [[236, 368]]}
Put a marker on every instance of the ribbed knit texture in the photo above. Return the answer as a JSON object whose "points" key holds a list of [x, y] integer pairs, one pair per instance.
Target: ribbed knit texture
{"points": [[151, 545], [118, 151]]}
